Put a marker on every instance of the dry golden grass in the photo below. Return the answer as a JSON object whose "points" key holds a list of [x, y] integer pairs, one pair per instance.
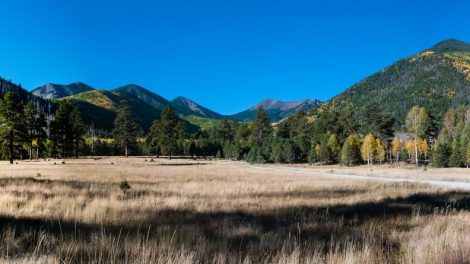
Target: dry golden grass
{"points": [[401, 171], [185, 211]]}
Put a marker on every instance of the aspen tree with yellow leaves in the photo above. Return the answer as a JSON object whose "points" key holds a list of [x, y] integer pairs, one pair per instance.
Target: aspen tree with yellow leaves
{"points": [[397, 147], [424, 148], [379, 151], [368, 149], [417, 121]]}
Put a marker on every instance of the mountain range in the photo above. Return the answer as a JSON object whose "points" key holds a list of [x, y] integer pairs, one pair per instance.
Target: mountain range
{"points": [[99, 106], [436, 78]]}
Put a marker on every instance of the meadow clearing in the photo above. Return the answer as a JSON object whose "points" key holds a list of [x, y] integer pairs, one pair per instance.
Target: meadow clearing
{"points": [[199, 211]]}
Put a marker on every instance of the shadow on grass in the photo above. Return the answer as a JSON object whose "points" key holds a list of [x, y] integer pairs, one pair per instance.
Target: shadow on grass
{"points": [[260, 232]]}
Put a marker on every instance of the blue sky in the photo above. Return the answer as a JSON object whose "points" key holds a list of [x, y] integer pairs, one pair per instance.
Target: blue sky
{"points": [[226, 55]]}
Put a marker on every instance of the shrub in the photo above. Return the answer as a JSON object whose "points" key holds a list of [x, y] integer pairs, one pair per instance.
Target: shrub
{"points": [[124, 186]]}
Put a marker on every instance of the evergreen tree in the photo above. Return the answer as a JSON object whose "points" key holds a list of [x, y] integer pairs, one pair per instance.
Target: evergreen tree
{"points": [[325, 151], [126, 129], [289, 151], [167, 132], [12, 126], [441, 150], [261, 127], [277, 152], [441, 154], [456, 158], [35, 122], [61, 130], [77, 129]]}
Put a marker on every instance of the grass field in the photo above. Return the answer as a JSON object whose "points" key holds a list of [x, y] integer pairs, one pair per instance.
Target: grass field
{"points": [[186, 211]]}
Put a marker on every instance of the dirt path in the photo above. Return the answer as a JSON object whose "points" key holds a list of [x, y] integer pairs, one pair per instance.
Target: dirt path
{"points": [[312, 172]]}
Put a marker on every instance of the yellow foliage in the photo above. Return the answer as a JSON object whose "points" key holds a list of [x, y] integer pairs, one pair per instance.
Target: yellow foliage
{"points": [[423, 147], [463, 67], [379, 150], [410, 147], [368, 148], [397, 146], [422, 55], [317, 149]]}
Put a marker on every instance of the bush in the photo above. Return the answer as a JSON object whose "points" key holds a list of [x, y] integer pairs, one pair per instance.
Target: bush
{"points": [[124, 186]]}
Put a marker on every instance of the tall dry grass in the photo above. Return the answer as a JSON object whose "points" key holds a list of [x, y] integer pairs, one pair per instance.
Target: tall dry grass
{"points": [[219, 212]]}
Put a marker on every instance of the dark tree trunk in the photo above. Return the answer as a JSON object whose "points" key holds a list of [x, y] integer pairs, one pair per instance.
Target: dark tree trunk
{"points": [[11, 146]]}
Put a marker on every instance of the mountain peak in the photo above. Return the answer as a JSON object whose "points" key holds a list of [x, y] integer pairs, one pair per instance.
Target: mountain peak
{"points": [[277, 109], [56, 91], [269, 104], [141, 93], [189, 107], [181, 98], [451, 45]]}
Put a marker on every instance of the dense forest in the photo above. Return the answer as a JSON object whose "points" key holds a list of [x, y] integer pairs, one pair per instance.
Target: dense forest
{"points": [[331, 136]]}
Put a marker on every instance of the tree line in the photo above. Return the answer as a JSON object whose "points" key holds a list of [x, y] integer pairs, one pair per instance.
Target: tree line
{"points": [[330, 136], [25, 132]]}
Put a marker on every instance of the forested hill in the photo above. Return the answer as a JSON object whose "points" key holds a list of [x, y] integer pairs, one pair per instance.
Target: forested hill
{"points": [[436, 78], [25, 96]]}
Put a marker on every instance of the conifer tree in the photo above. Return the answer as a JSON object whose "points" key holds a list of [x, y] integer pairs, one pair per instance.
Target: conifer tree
{"points": [[12, 125], [61, 130], [35, 122], [166, 132], [261, 127], [77, 128], [126, 129]]}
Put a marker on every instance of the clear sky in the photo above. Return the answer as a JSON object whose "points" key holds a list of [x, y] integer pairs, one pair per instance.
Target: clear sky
{"points": [[226, 55]]}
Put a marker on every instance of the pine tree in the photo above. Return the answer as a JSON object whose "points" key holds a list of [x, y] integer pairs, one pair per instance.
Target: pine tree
{"points": [[277, 151], [261, 127], [61, 130], [167, 131], [77, 128], [126, 129], [289, 152], [325, 151], [35, 122], [441, 154], [455, 159], [12, 126]]}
